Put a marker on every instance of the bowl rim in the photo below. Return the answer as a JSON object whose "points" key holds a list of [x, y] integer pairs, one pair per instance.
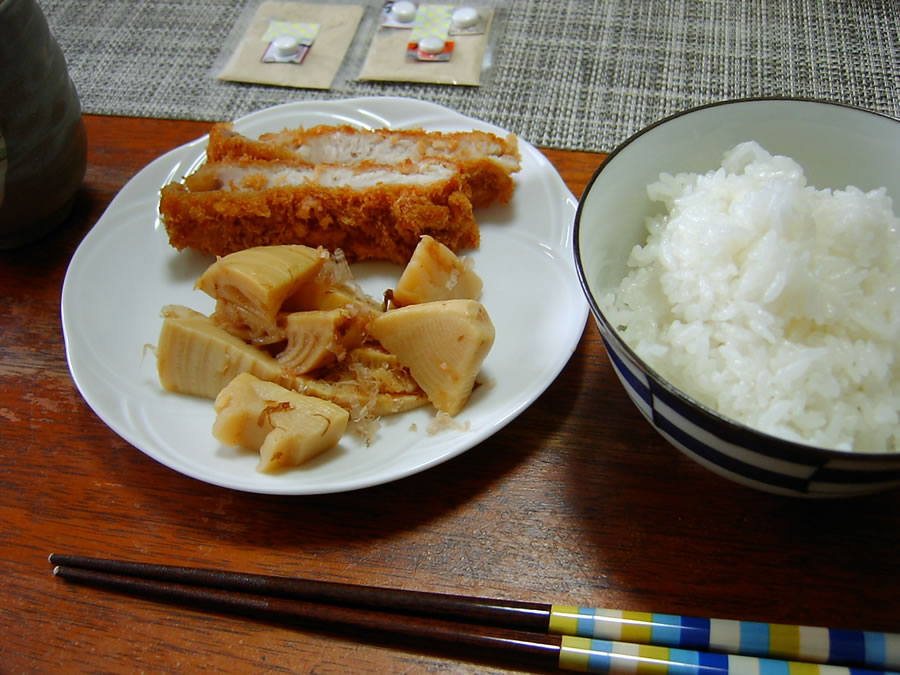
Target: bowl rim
{"points": [[734, 427]]}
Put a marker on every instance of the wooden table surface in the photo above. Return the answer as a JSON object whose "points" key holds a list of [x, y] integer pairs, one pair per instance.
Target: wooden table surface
{"points": [[577, 501]]}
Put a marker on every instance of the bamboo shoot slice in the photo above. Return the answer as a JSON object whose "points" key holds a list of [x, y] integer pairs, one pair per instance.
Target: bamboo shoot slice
{"points": [[286, 428], [250, 286], [442, 343], [315, 339], [434, 272], [194, 356]]}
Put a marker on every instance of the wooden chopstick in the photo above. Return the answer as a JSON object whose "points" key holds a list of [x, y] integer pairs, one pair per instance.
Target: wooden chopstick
{"points": [[499, 644], [544, 635]]}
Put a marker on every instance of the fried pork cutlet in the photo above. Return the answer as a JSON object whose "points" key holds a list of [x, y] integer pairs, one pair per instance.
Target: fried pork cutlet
{"points": [[486, 161], [370, 211]]}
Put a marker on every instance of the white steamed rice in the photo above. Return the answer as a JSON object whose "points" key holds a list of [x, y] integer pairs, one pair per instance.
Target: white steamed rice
{"points": [[772, 302]]}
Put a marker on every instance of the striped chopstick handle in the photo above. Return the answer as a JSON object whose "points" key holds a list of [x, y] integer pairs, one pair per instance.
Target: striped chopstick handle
{"points": [[749, 638], [591, 655]]}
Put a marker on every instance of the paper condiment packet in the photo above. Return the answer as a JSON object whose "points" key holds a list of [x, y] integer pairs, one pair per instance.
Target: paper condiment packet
{"points": [[323, 33], [394, 57]]}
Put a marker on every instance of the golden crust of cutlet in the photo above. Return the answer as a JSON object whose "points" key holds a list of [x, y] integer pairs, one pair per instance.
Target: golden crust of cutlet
{"points": [[484, 180], [379, 223], [225, 145]]}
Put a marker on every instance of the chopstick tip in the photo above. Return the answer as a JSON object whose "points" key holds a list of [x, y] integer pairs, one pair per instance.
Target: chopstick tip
{"points": [[56, 570]]}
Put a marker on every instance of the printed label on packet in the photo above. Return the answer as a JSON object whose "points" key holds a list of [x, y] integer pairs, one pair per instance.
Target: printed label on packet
{"points": [[288, 42], [429, 40]]}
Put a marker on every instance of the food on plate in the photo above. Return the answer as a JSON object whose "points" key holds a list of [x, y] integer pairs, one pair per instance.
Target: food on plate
{"points": [[369, 381], [434, 272], [251, 286], [443, 343], [368, 211], [486, 161], [317, 338], [294, 317], [195, 356], [286, 428], [370, 194], [771, 301]]}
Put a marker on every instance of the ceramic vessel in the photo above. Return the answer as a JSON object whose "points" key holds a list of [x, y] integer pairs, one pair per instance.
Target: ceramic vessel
{"points": [[837, 146], [43, 145]]}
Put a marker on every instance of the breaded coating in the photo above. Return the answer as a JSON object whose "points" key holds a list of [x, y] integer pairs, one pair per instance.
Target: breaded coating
{"points": [[370, 211], [485, 161]]}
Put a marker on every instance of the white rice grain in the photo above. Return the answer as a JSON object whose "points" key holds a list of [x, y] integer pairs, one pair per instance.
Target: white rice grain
{"points": [[770, 301]]}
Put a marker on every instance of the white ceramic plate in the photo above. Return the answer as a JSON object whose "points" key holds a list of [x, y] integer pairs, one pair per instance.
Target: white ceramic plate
{"points": [[124, 271]]}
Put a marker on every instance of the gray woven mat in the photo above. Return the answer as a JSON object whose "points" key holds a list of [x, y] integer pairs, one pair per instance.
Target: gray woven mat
{"points": [[567, 74]]}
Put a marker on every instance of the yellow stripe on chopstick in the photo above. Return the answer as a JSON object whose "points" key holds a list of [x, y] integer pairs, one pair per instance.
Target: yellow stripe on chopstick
{"points": [[784, 640], [575, 653], [654, 660], [802, 668], [564, 620], [636, 627]]}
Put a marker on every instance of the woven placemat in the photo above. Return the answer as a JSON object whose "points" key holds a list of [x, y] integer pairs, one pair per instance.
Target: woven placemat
{"points": [[567, 74]]}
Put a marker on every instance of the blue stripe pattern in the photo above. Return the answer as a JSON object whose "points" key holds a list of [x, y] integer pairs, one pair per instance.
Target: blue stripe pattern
{"points": [[694, 633], [598, 660], [585, 626], [605, 656], [666, 629], [639, 387], [876, 648], [727, 461], [773, 667], [688, 662], [685, 635], [710, 662], [754, 637], [846, 646]]}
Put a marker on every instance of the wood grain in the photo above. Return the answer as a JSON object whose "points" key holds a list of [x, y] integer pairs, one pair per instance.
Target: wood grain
{"points": [[576, 501]]}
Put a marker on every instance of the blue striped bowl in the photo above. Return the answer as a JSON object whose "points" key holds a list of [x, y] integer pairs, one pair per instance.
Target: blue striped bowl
{"points": [[838, 146]]}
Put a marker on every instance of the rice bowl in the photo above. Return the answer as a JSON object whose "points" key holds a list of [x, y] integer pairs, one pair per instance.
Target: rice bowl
{"points": [[769, 355]]}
